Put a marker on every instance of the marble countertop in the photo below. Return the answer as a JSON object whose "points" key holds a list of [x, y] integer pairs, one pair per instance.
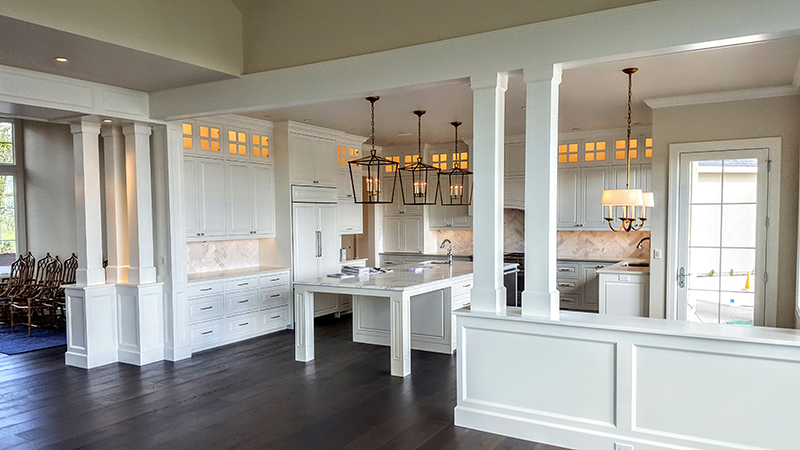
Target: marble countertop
{"points": [[623, 268], [232, 273], [425, 255], [400, 279], [585, 259]]}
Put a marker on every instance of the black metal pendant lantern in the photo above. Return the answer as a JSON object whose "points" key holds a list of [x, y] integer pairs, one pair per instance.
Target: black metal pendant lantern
{"points": [[373, 178], [455, 185], [416, 178]]}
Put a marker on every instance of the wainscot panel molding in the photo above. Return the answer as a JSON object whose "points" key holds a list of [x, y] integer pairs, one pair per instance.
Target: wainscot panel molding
{"points": [[592, 381]]}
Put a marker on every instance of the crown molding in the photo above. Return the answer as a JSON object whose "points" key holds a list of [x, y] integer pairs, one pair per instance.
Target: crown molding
{"points": [[719, 97]]}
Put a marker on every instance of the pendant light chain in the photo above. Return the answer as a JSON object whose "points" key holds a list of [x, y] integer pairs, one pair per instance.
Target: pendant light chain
{"points": [[628, 141], [372, 103], [457, 161], [419, 137]]}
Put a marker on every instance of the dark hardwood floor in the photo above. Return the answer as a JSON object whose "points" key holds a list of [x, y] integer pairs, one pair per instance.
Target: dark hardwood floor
{"points": [[246, 395]]}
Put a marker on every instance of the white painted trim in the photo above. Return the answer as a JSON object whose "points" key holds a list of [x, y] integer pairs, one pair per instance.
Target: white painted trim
{"points": [[773, 212], [796, 79], [719, 97], [663, 27], [27, 87]]}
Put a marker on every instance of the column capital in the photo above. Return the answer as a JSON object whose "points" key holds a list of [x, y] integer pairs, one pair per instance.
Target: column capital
{"points": [[498, 80], [85, 128], [109, 130], [137, 128], [537, 75]]}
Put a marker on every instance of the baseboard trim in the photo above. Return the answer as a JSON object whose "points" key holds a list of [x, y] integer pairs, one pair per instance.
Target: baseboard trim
{"points": [[141, 358], [178, 353], [90, 362]]}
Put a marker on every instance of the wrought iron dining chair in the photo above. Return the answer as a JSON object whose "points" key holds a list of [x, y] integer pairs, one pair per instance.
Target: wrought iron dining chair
{"points": [[38, 297]]}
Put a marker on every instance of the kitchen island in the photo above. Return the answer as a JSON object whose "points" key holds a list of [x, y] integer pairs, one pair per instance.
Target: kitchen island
{"points": [[397, 289]]}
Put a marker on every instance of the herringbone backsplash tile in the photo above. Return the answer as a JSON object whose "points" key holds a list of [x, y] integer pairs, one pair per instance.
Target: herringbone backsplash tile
{"points": [[213, 256]]}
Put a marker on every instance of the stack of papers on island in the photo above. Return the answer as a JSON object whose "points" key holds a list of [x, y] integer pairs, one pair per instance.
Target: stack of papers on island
{"points": [[420, 268], [360, 272]]}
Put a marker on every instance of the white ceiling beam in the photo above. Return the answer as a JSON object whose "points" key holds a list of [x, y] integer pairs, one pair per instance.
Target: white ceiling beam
{"points": [[719, 97]]}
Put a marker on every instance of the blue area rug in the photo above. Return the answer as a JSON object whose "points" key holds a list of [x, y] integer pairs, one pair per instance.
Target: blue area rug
{"points": [[19, 342]]}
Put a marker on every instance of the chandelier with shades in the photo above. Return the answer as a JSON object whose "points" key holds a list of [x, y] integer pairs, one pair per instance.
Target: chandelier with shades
{"points": [[628, 201], [415, 178], [455, 180], [376, 175]]}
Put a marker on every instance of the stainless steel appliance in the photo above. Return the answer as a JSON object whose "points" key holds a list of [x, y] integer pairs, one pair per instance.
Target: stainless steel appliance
{"points": [[514, 295]]}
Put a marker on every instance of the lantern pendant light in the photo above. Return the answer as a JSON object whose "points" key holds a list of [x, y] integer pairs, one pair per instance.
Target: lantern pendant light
{"points": [[381, 174], [629, 199], [457, 179], [416, 177]]}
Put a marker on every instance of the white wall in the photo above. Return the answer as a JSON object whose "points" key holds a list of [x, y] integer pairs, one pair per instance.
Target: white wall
{"points": [[720, 121], [49, 189]]}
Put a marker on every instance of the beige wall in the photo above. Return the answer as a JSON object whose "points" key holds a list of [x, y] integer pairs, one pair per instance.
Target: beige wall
{"points": [[731, 120], [283, 34], [49, 189], [207, 33]]}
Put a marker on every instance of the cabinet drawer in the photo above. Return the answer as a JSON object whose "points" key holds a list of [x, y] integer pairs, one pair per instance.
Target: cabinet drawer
{"points": [[241, 301], [196, 290], [274, 297], [205, 308], [345, 302], [274, 317], [567, 270], [461, 301], [566, 285], [242, 324], [240, 284], [277, 279], [569, 301], [462, 287], [204, 332], [391, 261]]}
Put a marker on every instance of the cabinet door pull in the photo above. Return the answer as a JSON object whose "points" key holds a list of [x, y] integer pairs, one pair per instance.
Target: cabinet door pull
{"points": [[274, 279], [207, 332], [275, 317], [206, 308], [244, 324], [243, 301], [206, 289], [243, 284], [599, 267], [274, 295]]}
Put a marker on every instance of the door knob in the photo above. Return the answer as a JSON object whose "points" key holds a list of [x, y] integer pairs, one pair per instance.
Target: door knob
{"points": [[682, 277]]}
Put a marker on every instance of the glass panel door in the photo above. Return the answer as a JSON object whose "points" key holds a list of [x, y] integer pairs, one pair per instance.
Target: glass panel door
{"points": [[722, 237]]}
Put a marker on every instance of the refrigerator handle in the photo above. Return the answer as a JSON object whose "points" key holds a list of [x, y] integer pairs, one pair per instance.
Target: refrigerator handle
{"points": [[320, 243], [316, 241]]}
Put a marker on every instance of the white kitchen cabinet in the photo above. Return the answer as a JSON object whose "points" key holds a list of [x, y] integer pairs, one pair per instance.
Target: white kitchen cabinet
{"points": [[313, 160], [594, 181], [251, 200], [578, 284], [227, 310], [351, 217], [514, 194], [204, 194], [403, 234], [569, 188], [449, 218], [347, 151], [315, 238], [515, 159], [624, 294]]}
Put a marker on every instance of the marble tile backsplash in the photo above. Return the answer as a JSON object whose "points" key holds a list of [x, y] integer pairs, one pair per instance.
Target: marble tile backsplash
{"points": [[608, 244], [213, 256], [461, 239]]}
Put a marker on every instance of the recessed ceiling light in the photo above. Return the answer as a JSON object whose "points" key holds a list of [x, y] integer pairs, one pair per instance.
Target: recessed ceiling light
{"points": [[61, 59], [107, 121], [523, 107], [404, 133]]}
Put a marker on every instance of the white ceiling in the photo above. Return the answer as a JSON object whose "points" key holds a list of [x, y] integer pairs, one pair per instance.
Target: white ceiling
{"points": [[34, 47], [591, 98]]}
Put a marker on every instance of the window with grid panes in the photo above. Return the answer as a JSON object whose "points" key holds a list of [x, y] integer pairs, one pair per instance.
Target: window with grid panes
{"points": [[594, 151], [237, 142], [260, 146], [619, 152], [648, 147], [439, 160], [568, 153], [209, 138]]}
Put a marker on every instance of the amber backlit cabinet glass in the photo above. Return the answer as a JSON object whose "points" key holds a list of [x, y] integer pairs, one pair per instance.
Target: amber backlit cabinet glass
{"points": [[209, 138], [594, 151], [620, 149], [462, 158], [568, 153], [393, 168], [237, 142], [260, 146], [188, 136], [439, 161], [648, 148], [345, 155]]}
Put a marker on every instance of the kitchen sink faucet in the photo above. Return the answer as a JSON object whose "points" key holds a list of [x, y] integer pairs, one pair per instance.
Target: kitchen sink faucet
{"points": [[639, 245], [449, 251]]}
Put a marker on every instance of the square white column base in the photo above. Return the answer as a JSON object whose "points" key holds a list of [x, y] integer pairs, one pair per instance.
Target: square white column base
{"points": [[141, 323], [91, 325]]}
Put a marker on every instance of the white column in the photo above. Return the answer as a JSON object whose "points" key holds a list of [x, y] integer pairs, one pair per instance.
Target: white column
{"points": [[540, 297], [304, 325], [140, 208], [116, 204], [489, 294], [400, 333], [86, 143]]}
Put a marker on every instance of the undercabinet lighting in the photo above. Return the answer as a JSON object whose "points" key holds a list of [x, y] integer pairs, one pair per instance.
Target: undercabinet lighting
{"points": [[61, 59], [403, 133], [107, 121]]}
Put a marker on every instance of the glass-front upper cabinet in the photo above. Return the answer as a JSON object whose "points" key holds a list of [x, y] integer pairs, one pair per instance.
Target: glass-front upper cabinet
{"points": [[202, 139]]}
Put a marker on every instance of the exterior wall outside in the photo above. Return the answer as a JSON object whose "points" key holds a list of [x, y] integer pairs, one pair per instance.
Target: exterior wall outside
{"points": [[723, 121], [49, 189]]}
